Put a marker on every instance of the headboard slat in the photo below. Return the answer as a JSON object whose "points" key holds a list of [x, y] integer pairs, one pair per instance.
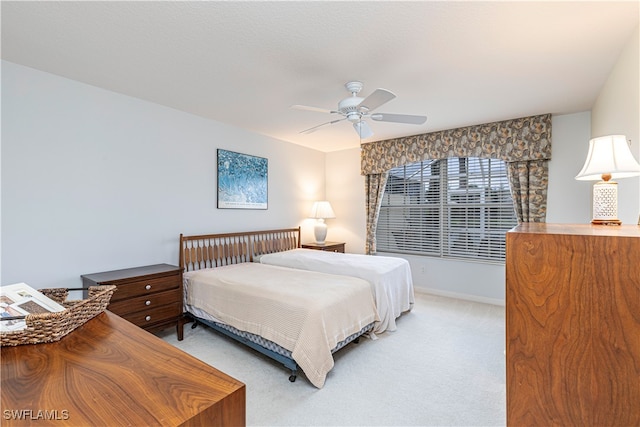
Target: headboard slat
{"points": [[215, 250], [215, 255]]}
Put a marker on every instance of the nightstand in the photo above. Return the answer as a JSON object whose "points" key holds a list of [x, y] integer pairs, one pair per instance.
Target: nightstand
{"points": [[326, 246], [149, 297]]}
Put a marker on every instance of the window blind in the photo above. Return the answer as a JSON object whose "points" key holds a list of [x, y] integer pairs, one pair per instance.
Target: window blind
{"points": [[452, 208]]}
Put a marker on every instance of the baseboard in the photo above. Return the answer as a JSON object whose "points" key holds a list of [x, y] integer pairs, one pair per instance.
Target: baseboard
{"points": [[467, 297]]}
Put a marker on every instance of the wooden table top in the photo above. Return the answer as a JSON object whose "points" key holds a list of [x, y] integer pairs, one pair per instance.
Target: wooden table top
{"points": [[109, 372]]}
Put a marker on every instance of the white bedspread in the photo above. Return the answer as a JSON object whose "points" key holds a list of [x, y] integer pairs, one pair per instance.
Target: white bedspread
{"points": [[308, 313], [390, 278]]}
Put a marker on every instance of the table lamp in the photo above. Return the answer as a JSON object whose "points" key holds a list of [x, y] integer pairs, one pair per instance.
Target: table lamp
{"points": [[609, 157], [321, 211]]}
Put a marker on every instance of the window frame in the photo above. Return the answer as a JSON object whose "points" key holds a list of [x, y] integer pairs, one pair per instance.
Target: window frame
{"points": [[419, 219]]}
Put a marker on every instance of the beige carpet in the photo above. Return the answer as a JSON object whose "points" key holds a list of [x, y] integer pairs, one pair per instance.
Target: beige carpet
{"points": [[444, 366]]}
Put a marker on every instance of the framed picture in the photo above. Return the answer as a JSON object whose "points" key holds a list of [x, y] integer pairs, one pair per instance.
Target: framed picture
{"points": [[242, 181]]}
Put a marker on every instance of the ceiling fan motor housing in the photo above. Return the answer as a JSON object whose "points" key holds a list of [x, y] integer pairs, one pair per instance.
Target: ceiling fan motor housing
{"points": [[349, 107]]}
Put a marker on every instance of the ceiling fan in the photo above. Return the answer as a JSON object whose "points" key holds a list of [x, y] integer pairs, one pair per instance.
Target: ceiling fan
{"points": [[355, 109]]}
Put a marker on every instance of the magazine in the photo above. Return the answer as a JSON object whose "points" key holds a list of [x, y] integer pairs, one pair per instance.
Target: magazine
{"points": [[19, 300]]}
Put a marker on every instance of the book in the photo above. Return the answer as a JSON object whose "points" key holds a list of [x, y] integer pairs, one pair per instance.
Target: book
{"points": [[19, 300]]}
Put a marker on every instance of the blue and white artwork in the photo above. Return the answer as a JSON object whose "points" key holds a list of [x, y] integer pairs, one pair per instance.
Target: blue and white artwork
{"points": [[242, 181]]}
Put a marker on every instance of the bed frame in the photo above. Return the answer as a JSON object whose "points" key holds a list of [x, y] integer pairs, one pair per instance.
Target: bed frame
{"points": [[215, 250]]}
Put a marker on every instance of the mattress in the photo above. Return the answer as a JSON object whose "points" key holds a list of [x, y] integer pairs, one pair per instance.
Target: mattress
{"points": [[307, 313], [389, 278], [262, 342]]}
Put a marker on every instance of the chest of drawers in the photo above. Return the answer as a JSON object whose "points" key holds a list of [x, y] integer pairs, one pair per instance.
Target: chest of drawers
{"points": [[572, 325], [149, 296]]}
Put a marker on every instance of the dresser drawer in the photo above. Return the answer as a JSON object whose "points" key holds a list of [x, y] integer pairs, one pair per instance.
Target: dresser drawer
{"points": [[145, 302], [149, 296], [145, 287], [150, 316]]}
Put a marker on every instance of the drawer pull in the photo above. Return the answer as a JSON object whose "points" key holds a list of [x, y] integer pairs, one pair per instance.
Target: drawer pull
{"points": [[147, 302], [147, 287], [147, 318]]}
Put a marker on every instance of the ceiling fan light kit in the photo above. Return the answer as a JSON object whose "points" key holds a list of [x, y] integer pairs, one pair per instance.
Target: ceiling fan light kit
{"points": [[355, 109], [363, 129]]}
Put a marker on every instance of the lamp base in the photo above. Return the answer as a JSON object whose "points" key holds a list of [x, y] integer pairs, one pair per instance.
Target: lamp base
{"points": [[605, 203], [320, 231]]}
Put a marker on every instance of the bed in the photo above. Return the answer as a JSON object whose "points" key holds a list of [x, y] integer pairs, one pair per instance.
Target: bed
{"points": [[390, 277], [297, 317]]}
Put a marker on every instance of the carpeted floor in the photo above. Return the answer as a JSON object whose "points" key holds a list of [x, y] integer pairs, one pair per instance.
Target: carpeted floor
{"points": [[444, 366]]}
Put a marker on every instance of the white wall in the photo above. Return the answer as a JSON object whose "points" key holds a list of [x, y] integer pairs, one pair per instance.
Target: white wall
{"points": [[569, 200], [345, 191], [93, 180], [617, 111]]}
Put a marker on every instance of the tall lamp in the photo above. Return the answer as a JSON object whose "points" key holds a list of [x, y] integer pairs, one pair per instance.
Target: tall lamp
{"points": [[320, 211], [609, 157]]}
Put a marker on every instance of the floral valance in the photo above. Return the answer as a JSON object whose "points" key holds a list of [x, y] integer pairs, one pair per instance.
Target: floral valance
{"points": [[523, 139]]}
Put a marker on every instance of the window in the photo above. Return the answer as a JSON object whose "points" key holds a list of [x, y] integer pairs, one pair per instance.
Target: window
{"points": [[451, 208]]}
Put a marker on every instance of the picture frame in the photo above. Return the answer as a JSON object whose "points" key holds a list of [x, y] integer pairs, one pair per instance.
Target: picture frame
{"points": [[242, 180]]}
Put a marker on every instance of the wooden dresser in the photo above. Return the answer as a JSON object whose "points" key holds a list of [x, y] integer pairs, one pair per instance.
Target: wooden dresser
{"points": [[149, 296], [109, 372], [573, 325]]}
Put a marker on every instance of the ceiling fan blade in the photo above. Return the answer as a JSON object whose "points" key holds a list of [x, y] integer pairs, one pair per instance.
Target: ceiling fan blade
{"points": [[316, 109], [399, 118], [376, 99], [313, 129], [363, 129]]}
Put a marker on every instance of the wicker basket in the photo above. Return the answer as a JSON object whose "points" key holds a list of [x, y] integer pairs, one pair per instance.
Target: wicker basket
{"points": [[50, 327]]}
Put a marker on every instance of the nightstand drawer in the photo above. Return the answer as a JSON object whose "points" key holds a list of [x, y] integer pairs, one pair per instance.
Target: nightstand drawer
{"points": [[145, 287], [149, 296], [327, 246], [145, 302], [148, 317]]}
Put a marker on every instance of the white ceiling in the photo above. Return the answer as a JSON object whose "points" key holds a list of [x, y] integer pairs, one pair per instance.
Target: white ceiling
{"points": [[246, 62]]}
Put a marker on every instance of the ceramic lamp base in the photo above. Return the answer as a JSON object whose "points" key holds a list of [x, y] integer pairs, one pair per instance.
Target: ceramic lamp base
{"points": [[605, 203], [320, 231]]}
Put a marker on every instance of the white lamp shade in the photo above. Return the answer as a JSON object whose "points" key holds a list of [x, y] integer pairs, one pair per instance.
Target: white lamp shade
{"points": [[322, 210], [609, 155]]}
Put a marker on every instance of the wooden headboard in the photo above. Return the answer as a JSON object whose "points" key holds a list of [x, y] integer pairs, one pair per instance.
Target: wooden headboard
{"points": [[214, 250]]}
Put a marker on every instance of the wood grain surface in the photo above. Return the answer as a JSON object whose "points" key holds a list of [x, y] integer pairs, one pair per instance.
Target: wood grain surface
{"points": [[573, 325], [111, 373]]}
